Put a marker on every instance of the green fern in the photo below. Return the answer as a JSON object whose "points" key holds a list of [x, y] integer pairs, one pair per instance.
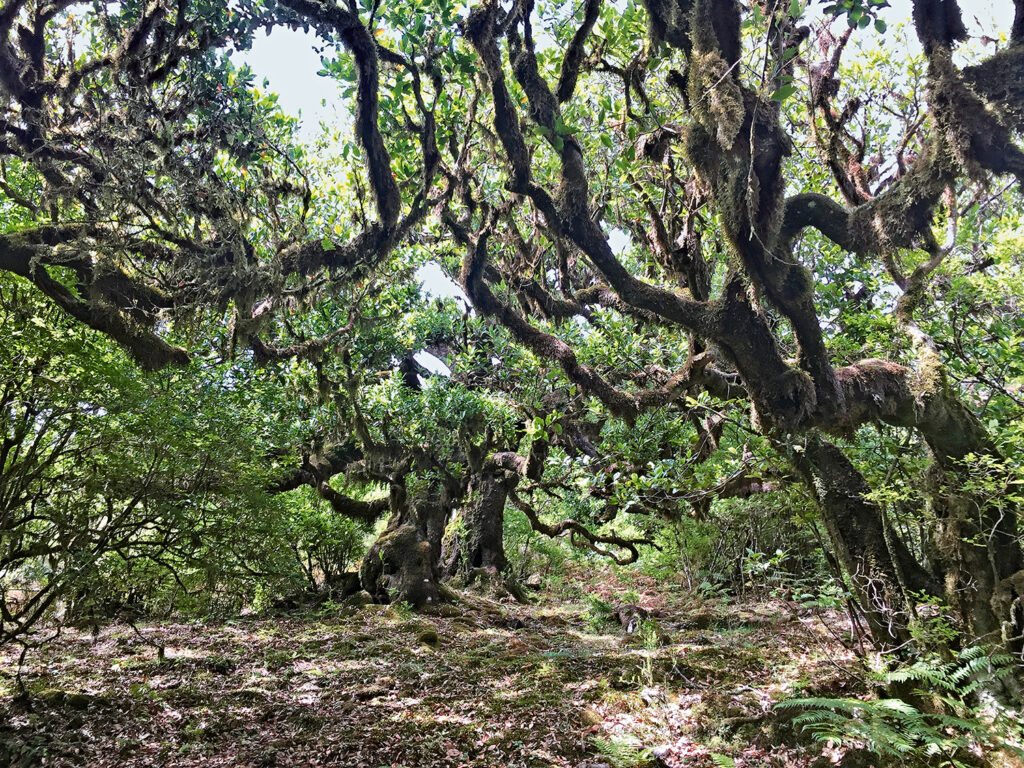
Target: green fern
{"points": [[600, 612], [622, 753], [972, 669], [895, 729]]}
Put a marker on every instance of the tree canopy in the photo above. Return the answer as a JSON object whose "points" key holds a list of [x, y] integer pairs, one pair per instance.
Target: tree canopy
{"points": [[709, 252]]}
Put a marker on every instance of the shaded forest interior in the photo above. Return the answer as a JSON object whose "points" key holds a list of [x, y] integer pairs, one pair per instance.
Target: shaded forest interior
{"points": [[609, 384]]}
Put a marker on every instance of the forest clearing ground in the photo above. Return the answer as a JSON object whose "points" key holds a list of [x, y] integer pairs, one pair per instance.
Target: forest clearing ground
{"points": [[496, 685]]}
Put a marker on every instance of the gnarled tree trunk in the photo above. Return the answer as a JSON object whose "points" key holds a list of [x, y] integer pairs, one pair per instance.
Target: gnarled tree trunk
{"points": [[880, 567], [482, 545], [977, 537], [403, 563]]}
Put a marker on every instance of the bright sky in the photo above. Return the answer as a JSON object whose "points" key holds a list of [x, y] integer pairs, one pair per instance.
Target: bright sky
{"points": [[289, 62]]}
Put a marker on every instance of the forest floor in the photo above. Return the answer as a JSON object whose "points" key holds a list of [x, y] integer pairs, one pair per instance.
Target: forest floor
{"points": [[492, 684]]}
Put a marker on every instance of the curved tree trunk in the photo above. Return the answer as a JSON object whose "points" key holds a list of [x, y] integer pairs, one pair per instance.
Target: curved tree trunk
{"points": [[977, 536], [880, 567], [738, 144], [402, 564], [483, 544]]}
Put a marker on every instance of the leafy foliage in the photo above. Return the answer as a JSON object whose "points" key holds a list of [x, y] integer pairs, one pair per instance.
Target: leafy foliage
{"points": [[951, 732], [703, 317], [622, 753]]}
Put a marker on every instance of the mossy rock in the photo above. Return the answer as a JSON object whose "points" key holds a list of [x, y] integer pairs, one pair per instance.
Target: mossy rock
{"points": [[591, 717], [393, 614], [53, 697], [358, 600], [429, 638], [444, 610], [465, 624], [369, 692]]}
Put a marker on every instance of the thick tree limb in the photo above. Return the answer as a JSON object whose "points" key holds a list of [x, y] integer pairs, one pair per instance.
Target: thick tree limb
{"points": [[360, 42], [573, 57], [620, 402], [364, 511], [938, 24], [580, 535], [145, 347]]}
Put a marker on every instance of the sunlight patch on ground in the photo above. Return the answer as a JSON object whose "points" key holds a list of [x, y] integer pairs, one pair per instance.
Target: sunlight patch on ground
{"points": [[185, 653], [359, 687]]}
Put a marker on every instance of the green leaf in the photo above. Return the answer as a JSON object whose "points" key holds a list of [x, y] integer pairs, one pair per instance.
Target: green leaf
{"points": [[783, 92]]}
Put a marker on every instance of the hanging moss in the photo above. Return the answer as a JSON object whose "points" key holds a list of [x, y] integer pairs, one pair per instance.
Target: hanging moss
{"points": [[668, 22], [715, 97]]}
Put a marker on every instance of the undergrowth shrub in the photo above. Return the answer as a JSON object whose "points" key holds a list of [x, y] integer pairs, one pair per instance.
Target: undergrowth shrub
{"points": [[528, 552], [622, 753], [600, 613], [325, 544], [766, 543]]}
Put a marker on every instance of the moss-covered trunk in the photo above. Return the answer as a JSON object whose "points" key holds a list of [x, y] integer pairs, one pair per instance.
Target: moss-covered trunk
{"points": [[403, 563], [977, 535], [481, 542], [875, 564]]}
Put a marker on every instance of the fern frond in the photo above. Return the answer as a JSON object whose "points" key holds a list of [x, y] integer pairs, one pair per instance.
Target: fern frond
{"points": [[621, 753]]}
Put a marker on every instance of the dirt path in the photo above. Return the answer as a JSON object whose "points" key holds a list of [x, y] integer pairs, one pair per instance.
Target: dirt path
{"points": [[497, 685]]}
